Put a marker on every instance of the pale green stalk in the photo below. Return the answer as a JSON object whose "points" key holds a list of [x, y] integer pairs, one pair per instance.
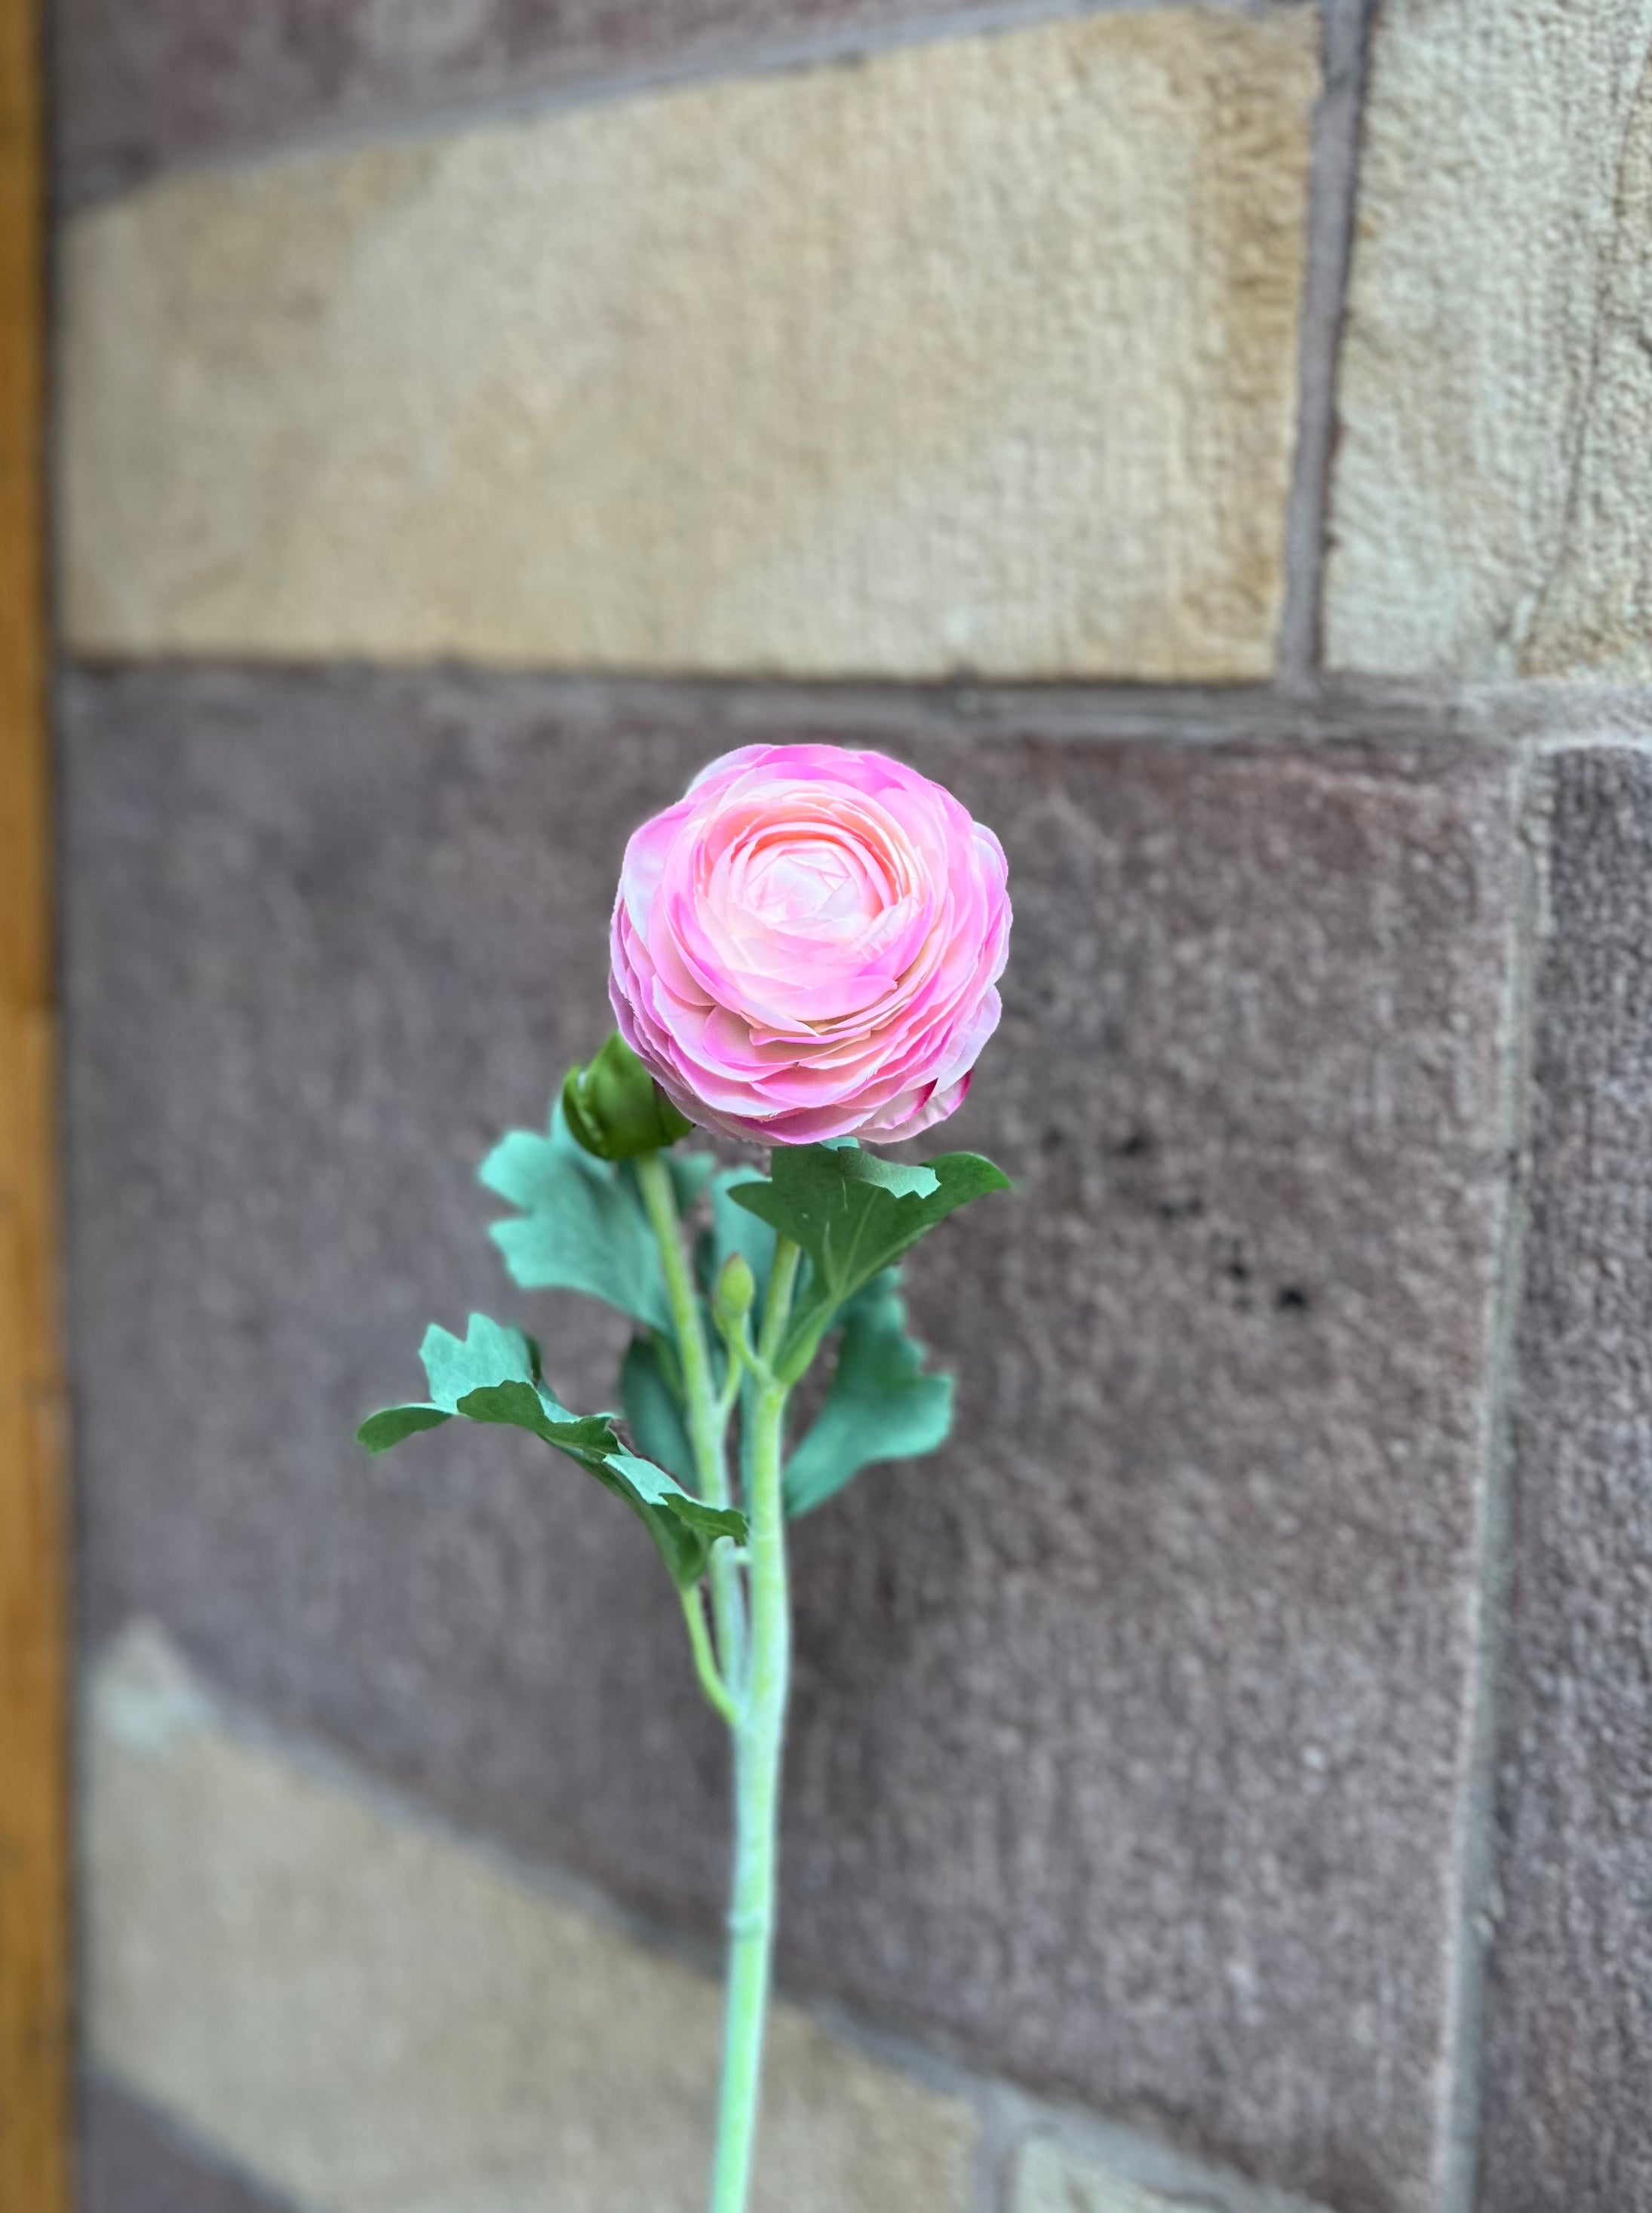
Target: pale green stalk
{"points": [[758, 1744], [749, 1687], [708, 1419], [717, 1693]]}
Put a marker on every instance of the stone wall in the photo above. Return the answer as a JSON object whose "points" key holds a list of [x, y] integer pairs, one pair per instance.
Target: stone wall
{"points": [[1213, 439]]}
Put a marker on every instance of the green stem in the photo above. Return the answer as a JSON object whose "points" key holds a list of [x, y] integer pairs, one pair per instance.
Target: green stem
{"points": [[705, 1667], [758, 1745], [781, 1283], [708, 1421]]}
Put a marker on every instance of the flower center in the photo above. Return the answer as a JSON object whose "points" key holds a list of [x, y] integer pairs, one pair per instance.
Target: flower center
{"points": [[807, 885]]}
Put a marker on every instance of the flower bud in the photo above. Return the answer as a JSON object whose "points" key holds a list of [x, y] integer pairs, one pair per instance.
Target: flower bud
{"points": [[614, 1108], [736, 1290]]}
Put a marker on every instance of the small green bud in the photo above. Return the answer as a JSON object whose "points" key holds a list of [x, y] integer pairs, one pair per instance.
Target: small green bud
{"points": [[736, 1290], [615, 1109]]}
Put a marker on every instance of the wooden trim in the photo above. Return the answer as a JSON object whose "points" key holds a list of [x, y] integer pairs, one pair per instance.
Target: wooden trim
{"points": [[34, 2008]]}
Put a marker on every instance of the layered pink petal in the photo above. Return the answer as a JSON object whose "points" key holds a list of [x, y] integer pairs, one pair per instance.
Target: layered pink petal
{"points": [[806, 946]]}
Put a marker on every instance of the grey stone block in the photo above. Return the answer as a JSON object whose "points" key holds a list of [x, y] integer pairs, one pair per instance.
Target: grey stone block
{"points": [[1130, 1737], [143, 83], [1569, 2008], [131, 2161]]}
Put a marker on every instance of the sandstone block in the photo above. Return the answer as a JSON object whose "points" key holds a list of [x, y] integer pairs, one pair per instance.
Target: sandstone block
{"points": [[1047, 2181], [977, 355], [1492, 507], [1050, 2176], [374, 2014]]}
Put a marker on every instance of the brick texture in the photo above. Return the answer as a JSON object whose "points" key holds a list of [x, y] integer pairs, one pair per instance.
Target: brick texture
{"points": [[1570, 2003], [1130, 1736]]}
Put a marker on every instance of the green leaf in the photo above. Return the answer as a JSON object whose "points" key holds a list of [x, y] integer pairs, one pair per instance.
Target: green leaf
{"points": [[684, 1529], [888, 1175], [881, 1406], [581, 1227], [379, 1432], [492, 1374], [487, 1353], [853, 1214], [653, 1406], [588, 1438], [654, 1489]]}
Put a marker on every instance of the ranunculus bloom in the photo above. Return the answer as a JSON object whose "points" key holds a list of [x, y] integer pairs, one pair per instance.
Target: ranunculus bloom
{"points": [[806, 946]]}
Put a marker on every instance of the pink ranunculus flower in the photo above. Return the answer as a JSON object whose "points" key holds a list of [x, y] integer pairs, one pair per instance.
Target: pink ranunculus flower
{"points": [[806, 946]]}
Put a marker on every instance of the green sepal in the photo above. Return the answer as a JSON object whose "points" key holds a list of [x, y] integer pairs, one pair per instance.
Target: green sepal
{"points": [[735, 1293], [582, 1227], [492, 1374], [853, 1215], [614, 1107], [881, 1406]]}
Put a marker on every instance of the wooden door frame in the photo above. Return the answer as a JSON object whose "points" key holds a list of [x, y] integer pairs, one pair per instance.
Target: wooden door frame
{"points": [[35, 1981]]}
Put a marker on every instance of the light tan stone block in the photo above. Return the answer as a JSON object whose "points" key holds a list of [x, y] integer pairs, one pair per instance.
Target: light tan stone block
{"points": [[377, 2018], [1049, 2181], [1049, 2176], [1492, 509], [980, 355]]}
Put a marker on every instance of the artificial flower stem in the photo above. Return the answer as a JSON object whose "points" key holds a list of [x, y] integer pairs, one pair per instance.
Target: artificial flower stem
{"points": [[758, 1745], [783, 1281], [743, 1355], [717, 1693], [707, 1421]]}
